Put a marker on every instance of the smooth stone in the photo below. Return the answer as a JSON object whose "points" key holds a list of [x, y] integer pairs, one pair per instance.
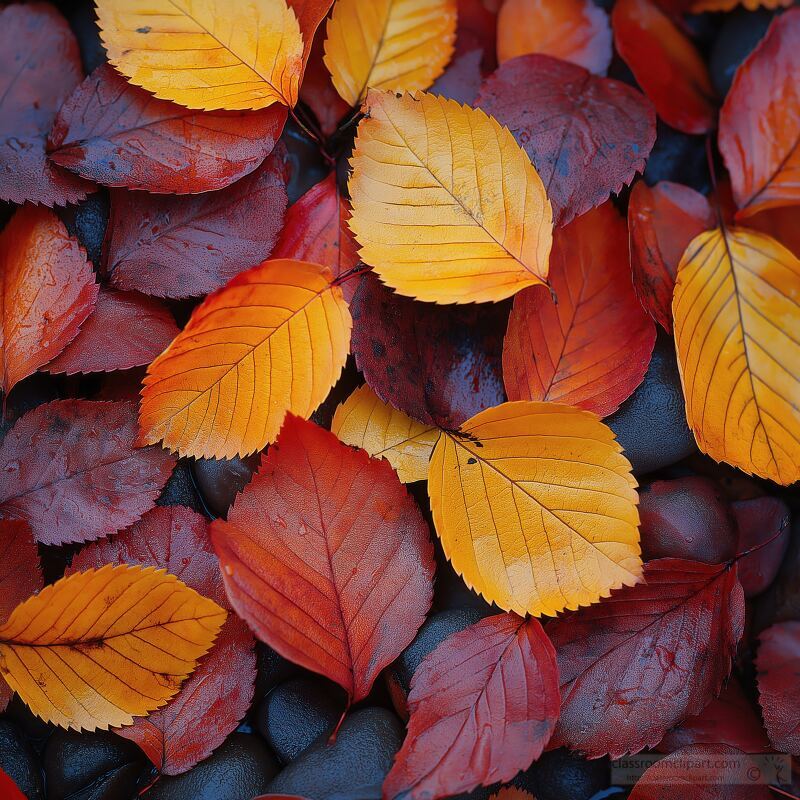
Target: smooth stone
{"points": [[678, 157], [781, 602], [221, 479], [18, 761], [272, 669], [562, 775], [180, 489], [739, 33], [87, 222]]}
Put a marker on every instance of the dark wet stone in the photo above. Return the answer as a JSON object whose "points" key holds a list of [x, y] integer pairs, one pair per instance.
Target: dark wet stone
{"points": [[180, 489], [678, 157], [307, 164], [562, 775], [221, 479], [739, 33], [273, 669], [781, 602], [18, 761], [87, 221]]}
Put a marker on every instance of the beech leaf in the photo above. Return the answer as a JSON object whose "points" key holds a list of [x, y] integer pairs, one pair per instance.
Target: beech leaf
{"points": [[778, 664]]}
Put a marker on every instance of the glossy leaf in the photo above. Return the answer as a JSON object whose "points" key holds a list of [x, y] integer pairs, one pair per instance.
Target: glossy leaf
{"points": [[592, 347], [482, 706], [396, 45], [209, 54], [447, 207], [587, 136], [327, 558], [188, 246], [736, 314], [536, 507], [117, 134], [778, 664], [644, 659], [102, 646], [764, 528], [217, 394], [72, 472], [46, 294]]}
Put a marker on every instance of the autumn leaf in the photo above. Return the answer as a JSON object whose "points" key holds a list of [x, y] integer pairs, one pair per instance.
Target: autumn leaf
{"points": [[365, 421], [587, 136], [644, 659], [102, 646], [327, 558], [511, 793], [778, 664], [46, 294], [726, 5], [759, 125], [764, 525], [592, 347], [396, 45], [9, 789], [482, 706], [214, 394], [447, 207], [71, 471], [735, 309], [318, 93], [536, 507]]}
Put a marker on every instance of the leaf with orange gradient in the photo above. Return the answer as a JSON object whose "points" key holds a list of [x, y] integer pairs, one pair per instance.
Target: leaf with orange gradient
{"points": [[447, 207], [592, 348], [274, 339], [365, 421], [737, 318], [396, 45], [572, 30], [511, 793], [759, 125], [209, 54], [102, 646], [536, 507]]}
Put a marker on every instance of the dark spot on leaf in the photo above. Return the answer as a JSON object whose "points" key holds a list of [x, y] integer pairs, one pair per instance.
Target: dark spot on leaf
{"points": [[145, 29], [472, 460]]}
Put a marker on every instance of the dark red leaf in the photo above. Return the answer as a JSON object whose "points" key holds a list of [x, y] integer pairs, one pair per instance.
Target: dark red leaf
{"points": [[462, 78], [217, 695], [639, 662], [117, 134], [327, 558], [189, 246], [8, 789], [587, 136], [778, 664], [39, 66], [476, 30], [759, 520], [438, 364], [71, 470], [482, 706], [318, 94]]}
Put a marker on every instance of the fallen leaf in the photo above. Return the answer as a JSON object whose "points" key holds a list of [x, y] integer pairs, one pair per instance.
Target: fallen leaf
{"points": [[511, 793], [397, 45], [535, 506], [72, 472], [735, 309], [592, 347], [764, 527], [209, 54], [188, 246], [327, 558], [641, 661], [46, 294], [779, 223], [447, 207], [587, 136], [310, 14], [461, 80], [476, 27], [65, 650], [318, 93], [292, 332], [9, 789], [482, 706], [778, 664], [117, 134], [727, 5]]}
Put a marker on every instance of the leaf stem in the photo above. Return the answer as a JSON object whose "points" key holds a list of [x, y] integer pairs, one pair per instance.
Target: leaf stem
{"points": [[332, 739], [758, 547], [316, 138]]}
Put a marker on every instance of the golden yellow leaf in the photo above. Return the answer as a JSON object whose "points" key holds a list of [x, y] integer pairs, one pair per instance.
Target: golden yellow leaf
{"points": [[234, 54], [399, 45], [100, 647], [447, 207], [536, 507], [274, 339], [737, 332], [365, 421]]}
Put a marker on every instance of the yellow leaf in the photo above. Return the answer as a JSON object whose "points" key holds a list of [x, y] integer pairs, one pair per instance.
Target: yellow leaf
{"points": [[365, 421], [274, 339], [737, 332], [536, 507], [447, 207], [100, 647], [399, 45], [234, 54]]}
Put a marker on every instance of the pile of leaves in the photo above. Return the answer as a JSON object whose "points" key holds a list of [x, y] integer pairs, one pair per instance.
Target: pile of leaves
{"points": [[468, 281]]}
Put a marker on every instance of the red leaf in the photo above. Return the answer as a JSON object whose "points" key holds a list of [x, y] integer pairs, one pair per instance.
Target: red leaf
{"points": [[662, 220], [759, 520], [39, 66], [462, 79], [310, 14], [665, 64], [778, 664], [47, 292], [117, 134], [476, 28], [8, 789], [189, 246], [639, 662], [438, 364], [483, 705], [72, 472], [327, 558], [217, 695], [125, 330], [318, 94], [587, 136], [590, 349]]}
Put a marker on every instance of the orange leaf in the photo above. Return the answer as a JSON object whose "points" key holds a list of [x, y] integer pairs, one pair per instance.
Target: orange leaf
{"points": [[511, 793], [727, 5]]}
